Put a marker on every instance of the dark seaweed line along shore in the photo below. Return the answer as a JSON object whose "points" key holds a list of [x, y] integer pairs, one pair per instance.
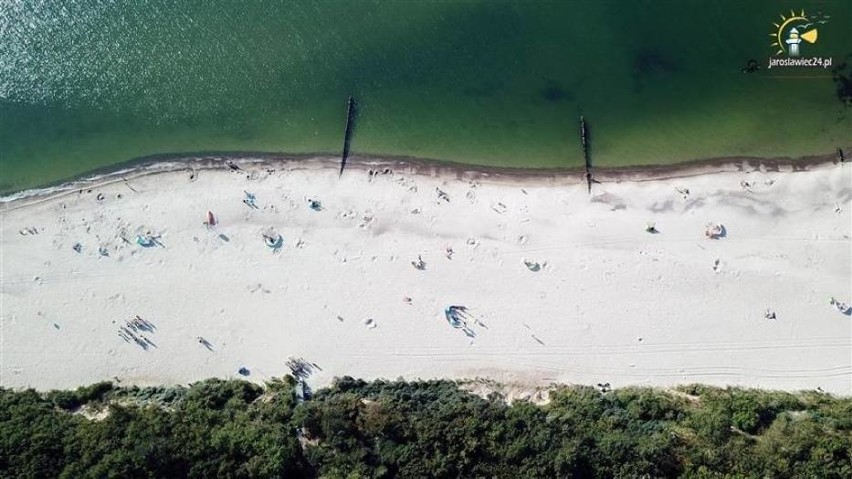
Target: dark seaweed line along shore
{"points": [[213, 160]]}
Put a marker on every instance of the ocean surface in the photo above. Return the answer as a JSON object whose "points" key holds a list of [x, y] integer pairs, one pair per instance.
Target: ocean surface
{"points": [[85, 84]]}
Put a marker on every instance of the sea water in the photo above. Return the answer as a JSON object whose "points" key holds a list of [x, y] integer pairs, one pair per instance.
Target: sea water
{"points": [[86, 84]]}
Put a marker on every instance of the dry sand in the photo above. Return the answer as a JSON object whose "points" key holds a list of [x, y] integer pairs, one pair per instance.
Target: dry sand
{"points": [[611, 303]]}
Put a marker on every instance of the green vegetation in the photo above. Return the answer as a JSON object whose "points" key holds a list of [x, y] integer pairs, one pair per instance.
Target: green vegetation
{"points": [[424, 429]]}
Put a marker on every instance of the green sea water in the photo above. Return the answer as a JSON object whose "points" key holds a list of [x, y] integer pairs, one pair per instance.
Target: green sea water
{"points": [[87, 84]]}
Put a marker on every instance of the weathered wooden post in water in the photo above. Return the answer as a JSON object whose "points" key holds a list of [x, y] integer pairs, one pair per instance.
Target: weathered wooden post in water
{"points": [[584, 139], [347, 132]]}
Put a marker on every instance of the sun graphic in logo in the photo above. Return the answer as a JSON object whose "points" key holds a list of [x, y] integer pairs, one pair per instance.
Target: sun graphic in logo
{"points": [[791, 31]]}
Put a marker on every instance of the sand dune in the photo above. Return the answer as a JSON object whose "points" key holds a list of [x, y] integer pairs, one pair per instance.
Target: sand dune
{"points": [[608, 301]]}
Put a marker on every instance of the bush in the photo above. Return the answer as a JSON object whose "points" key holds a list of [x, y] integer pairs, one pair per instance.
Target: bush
{"points": [[72, 400], [421, 429]]}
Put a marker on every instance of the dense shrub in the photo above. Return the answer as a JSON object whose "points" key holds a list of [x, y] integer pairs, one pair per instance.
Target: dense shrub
{"points": [[72, 400], [355, 428]]}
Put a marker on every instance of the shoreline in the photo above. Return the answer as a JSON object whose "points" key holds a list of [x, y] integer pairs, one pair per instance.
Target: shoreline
{"points": [[170, 162]]}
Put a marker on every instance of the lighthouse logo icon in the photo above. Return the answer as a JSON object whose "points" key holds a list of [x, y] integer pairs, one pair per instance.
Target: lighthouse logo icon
{"points": [[793, 41], [794, 31]]}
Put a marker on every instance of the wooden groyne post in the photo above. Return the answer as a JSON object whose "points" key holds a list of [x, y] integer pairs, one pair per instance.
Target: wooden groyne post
{"points": [[347, 132], [584, 139]]}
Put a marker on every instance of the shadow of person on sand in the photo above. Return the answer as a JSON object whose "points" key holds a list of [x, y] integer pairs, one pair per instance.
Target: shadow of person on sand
{"points": [[205, 343], [660, 207]]}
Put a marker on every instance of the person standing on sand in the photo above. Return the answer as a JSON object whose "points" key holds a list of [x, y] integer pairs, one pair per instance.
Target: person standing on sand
{"points": [[211, 220]]}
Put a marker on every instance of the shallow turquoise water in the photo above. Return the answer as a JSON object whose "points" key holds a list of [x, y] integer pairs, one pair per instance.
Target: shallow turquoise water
{"points": [[85, 84]]}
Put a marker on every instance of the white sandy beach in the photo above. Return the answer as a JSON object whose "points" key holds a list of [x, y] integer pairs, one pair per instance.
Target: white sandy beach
{"points": [[611, 302]]}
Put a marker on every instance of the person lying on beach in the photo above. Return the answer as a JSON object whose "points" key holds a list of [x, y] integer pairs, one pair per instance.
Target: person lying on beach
{"points": [[146, 241], [532, 265], [842, 307], [314, 204], [250, 200], [272, 239], [714, 230], [419, 264]]}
